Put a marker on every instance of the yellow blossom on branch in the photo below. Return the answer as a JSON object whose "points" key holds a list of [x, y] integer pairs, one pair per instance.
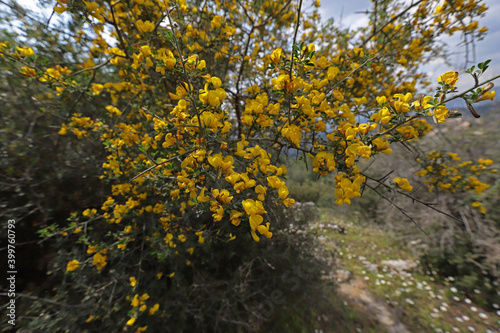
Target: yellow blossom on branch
{"points": [[403, 183], [72, 265], [450, 78], [144, 26]]}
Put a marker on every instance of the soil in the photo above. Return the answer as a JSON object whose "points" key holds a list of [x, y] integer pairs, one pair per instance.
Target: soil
{"points": [[355, 292]]}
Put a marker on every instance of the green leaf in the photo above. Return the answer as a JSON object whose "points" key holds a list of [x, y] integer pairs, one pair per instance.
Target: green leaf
{"points": [[168, 35]]}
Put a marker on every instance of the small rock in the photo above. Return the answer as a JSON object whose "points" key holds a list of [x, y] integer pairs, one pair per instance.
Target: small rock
{"points": [[371, 267], [400, 264], [343, 275]]}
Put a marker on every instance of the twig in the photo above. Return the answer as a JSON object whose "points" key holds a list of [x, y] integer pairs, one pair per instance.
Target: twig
{"points": [[416, 199], [297, 24], [188, 81], [398, 208], [122, 43], [44, 300], [468, 90], [90, 69], [163, 162]]}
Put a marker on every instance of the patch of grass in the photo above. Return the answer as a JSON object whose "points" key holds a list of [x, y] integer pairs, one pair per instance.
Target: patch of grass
{"points": [[426, 303]]}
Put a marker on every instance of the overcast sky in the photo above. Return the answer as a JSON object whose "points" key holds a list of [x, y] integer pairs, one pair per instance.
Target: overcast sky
{"points": [[345, 13]]}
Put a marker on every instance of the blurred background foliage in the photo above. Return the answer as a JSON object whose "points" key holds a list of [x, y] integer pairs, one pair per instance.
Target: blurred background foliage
{"points": [[45, 176]]}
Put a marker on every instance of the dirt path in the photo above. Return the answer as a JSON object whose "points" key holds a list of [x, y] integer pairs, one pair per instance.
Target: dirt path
{"points": [[355, 291]]}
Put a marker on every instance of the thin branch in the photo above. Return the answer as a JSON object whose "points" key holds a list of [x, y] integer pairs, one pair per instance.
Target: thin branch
{"points": [[390, 21], [356, 69], [90, 69], [297, 24], [462, 94], [163, 162], [398, 208], [45, 300], [122, 43], [416, 199], [188, 81]]}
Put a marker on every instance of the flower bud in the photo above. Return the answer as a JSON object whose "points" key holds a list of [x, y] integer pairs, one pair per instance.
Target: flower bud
{"points": [[471, 109], [488, 87]]}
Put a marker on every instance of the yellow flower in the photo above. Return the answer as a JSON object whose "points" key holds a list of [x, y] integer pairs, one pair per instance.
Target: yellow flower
{"points": [[275, 182], [331, 74], [146, 50], [133, 281], [323, 163], [89, 212], [27, 71], [222, 196], [94, 10], [26, 51], [72, 265], [92, 249], [276, 55], [403, 183], [292, 133], [144, 26], [113, 110], [283, 192], [130, 322], [254, 209], [216, 22], [441, 112], [153, 309], [235, 217], [383, 116], [361, 100], [479, 206], [99, 261], [382, 145], [487, 95], [261, 191], [485, 162], [135, 301], [407, 132], [264, 230], [381, 100], [450, 78], [201, 239], [97, 88], [59, 10]]}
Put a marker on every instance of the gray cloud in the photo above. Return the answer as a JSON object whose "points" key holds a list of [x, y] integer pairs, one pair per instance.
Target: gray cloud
{"points": [[346, 13]]}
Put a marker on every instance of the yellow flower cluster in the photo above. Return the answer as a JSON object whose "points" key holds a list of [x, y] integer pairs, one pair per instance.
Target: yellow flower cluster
{"points": [[447, 172]]}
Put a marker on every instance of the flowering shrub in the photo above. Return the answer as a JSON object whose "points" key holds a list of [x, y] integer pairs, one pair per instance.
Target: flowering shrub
{"points": [[447, 172], [203, 102]]}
